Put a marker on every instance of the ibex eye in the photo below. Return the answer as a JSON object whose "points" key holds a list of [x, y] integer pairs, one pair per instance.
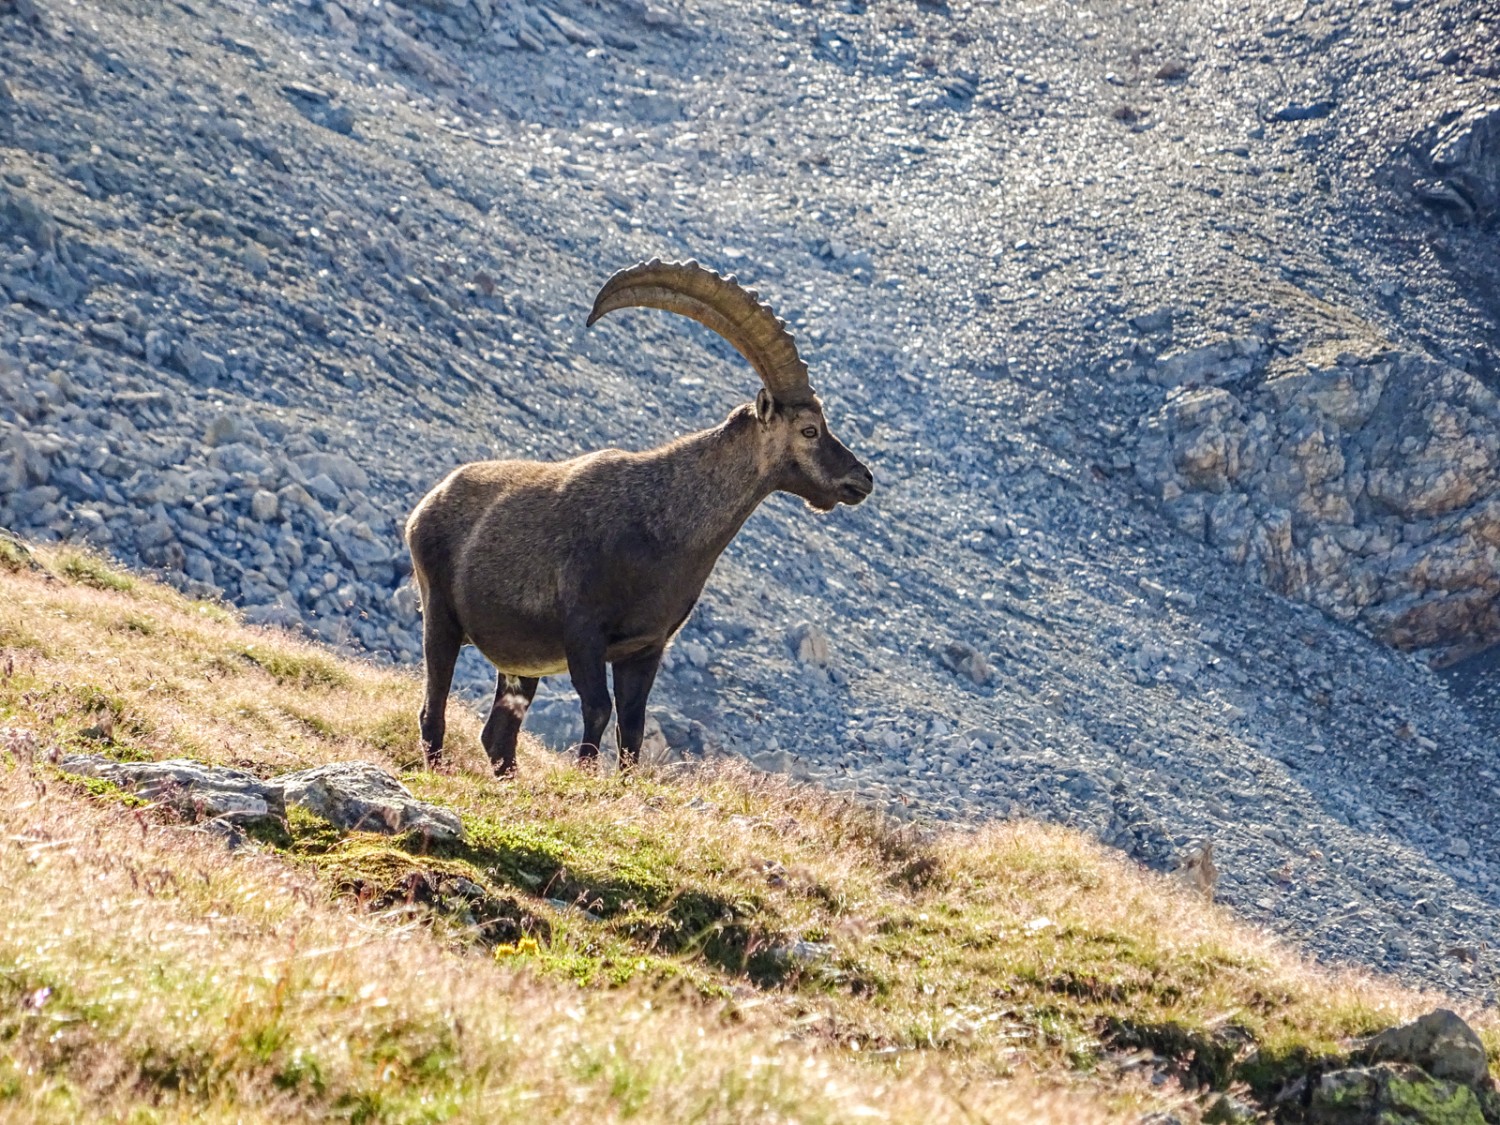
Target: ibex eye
{"points": [[809, 431]]}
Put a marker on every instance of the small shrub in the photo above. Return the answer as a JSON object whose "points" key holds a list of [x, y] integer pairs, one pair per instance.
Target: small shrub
{"points": [[14, 554], [298, 669], [90, 570]]}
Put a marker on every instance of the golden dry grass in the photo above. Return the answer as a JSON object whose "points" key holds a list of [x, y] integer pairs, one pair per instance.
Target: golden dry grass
{"points": [[1019, 973]]}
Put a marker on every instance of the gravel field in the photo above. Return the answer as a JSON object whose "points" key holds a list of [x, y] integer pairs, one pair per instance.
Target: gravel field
{"points": [[1168, 331]]}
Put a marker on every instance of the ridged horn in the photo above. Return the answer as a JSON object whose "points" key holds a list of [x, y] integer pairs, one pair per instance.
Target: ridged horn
{"points": [[722, 304]]}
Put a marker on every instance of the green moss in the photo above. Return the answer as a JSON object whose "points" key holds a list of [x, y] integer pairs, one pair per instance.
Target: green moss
{"points": [[632, 886], [310, 833], [382, 874], [1394, 1095], [106, 790]]}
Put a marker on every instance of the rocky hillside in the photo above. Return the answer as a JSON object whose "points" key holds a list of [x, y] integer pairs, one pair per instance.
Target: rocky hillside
{"points": [[1167, 333]]}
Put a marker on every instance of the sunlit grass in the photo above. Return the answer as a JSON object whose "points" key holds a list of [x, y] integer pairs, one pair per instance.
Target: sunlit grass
{"points": [[598, 947]]}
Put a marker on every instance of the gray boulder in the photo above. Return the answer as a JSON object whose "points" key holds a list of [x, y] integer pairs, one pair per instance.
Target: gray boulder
{"points": [[339, 469], [191, 787], [1467, 155], [360, 796], [352, 796], [1440, 1043], [1366, 483]]}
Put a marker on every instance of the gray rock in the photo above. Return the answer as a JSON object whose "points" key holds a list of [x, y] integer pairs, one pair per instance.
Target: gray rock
{"points": [[353, 796], [1303, 111], [324, 487], [243, 462], [571, 29], [1467, 155], [803, 953], [264, 505], [1440, 1042], [202, 367], [966, 660], [1153, 321], [1299, 479], [341, 470], [360, 796], [192, 787], [809, 644], [229, 427], [159, 347]]}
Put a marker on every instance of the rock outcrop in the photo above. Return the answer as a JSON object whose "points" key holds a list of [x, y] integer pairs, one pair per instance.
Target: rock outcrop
{"points": [[1432, 1071], [1466, 157], [352, 796], [1365, 484]]}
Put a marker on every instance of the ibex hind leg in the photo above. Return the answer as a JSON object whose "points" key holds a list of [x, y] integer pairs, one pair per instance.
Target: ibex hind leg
{"points": [[513, 695], [441, 639]]}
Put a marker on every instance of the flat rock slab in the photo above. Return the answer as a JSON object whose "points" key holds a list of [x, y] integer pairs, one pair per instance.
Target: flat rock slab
{"points": [[191, 787], [352, 796], [360, 796]]}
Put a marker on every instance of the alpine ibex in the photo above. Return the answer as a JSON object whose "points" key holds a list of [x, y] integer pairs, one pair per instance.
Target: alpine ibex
{"points": [[568, 566]]}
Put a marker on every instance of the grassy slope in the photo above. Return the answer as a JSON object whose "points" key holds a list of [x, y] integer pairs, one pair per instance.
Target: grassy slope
{"points": [[1020, 973]]}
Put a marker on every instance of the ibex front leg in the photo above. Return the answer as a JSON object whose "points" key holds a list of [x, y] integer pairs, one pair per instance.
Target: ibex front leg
{"points": [[633, 680], [586, 667]]}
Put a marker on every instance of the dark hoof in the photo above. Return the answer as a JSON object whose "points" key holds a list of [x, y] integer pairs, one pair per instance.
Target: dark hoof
{"points": [[505, 771], [588, 757]]}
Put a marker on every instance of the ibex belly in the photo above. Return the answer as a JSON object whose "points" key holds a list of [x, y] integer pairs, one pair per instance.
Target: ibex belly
{"points": [[522, 656]]}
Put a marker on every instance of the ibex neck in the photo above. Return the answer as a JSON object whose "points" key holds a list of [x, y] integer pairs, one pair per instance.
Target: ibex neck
{"points": [[716, 482]]}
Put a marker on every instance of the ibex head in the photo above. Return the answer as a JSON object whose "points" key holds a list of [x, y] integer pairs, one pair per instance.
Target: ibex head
{"points": [[799, 453]]}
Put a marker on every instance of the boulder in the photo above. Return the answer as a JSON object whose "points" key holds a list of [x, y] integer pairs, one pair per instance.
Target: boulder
{"points": [[191, 787], [965, 660], [809, 644], [361, 796], [1365, 482], [336, 467], [352, 796], [1440, 1043], [1197, 870], [1467, 155], [1390, 1094]]}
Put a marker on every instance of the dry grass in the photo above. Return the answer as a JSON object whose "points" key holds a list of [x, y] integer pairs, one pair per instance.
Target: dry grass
{"points": [[1021, 973]]}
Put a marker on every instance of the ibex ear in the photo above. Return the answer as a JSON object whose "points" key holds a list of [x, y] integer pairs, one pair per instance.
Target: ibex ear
{"points": [[765, 406]]}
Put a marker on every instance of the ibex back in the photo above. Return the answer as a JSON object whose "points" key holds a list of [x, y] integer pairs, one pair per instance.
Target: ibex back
{"points": [[572, 565]]}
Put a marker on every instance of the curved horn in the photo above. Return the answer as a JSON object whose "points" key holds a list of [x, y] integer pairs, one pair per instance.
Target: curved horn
{"points": [[722, 304]]}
